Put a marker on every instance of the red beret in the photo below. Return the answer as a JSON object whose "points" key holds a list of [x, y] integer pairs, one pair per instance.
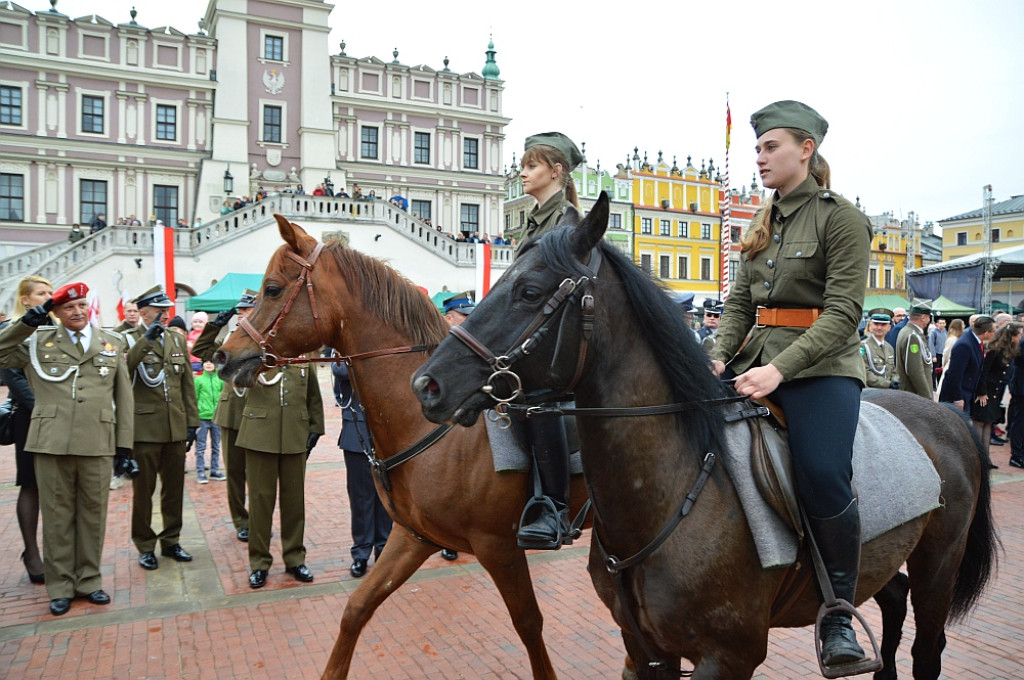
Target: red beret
{"points": [[69, 292]]}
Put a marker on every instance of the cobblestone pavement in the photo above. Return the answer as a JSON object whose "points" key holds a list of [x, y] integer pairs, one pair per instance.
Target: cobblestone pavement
{"points": [[202, 621]]}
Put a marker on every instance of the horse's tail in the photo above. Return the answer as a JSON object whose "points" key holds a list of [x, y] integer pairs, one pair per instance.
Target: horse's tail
{"points": [[980, 556]]}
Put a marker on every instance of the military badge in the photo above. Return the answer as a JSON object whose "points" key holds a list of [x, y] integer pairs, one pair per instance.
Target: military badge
{"points": [[914, 349], [104, 371]]}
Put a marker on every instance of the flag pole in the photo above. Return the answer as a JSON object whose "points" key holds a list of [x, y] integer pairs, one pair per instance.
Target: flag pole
{"points": [[726, 210]]}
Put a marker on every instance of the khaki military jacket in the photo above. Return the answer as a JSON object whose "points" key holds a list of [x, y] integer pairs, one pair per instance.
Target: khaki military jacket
{"points": [[83, 405], [282, 410], [542, 219], [232, 399], [817, 256], [879, 362], [914, 361], [165, 394]]}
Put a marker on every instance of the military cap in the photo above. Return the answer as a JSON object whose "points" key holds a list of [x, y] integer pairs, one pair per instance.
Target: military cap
{"points": [[558, 141], [790, 114], [712, 306], [154, 297], [248, 299], [880, 315], [69, 292], [920, 306], [460, 303]]}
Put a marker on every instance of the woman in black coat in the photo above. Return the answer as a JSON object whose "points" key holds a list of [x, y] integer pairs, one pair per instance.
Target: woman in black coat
{"points": [[987, 407]]}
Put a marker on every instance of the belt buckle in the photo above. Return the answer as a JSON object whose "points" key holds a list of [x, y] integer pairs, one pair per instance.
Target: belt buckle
{"points": [[757, 320]]}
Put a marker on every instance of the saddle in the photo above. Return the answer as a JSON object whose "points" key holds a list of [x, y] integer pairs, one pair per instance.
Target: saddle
{"points": [[772, 465]]}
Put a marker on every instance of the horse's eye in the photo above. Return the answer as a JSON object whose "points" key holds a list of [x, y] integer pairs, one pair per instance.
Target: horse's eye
{"points": [[530, 294], [272, 291]]}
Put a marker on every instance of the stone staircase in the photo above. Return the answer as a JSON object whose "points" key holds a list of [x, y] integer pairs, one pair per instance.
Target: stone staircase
{"points": [[61, 262]]}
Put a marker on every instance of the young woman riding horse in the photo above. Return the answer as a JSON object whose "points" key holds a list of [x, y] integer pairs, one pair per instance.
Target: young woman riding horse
{"points": [[672, 552]]}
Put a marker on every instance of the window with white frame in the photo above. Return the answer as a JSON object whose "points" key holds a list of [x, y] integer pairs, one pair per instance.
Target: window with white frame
{"points": [[12, 197], [10, 105], [705, 231], [684, 267], [469, 217], [646, 225], [92, 114], [165, 204], [666, 227], [705, 268], [421, 147], [471, 153], [684, 229], [272, 124], [368, 143], [273, 47], [615, 221], [645, 263], [665, 267], [166, 122], [421, 209], [92, 199]]}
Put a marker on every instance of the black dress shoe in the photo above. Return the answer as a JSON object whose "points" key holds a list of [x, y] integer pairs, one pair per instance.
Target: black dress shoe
{"points": [[60, 606], [176, 553], [243, 535], [449, 555], [34, 578], [148, 561], [98, 597], [358, 568], [258, 578], [301, 573], [1017, 462]]}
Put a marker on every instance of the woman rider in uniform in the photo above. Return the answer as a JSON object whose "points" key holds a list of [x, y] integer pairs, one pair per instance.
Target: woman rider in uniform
{"points": [[799, 294], [548, 160]]}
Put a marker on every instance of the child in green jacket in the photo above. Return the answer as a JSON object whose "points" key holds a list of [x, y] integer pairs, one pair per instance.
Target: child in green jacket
{"points": [[208, 387]]}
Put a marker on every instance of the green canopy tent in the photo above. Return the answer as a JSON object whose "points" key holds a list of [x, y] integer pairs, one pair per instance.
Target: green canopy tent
{"points": [[884, 301], [943, 306], [225, 293]]}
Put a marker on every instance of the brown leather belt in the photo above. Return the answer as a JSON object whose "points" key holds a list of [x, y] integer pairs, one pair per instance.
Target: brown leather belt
{"points": [[777, 316]]}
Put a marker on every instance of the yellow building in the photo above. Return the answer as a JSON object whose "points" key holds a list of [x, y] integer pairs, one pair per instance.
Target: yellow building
{"points": [[677, 224], [892, 243]]}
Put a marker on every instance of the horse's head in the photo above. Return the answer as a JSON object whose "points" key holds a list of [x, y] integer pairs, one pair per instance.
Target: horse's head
{"points": [[527, 328], [279, 325]]}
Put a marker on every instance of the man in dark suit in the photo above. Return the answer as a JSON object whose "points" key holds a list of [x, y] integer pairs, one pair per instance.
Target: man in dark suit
{"points": [[1015, 415], [964, 368]]}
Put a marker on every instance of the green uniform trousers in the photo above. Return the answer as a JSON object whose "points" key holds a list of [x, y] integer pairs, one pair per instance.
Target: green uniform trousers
{"points": [[166, 459], [234, 461], [73, 493], [264, 473]]}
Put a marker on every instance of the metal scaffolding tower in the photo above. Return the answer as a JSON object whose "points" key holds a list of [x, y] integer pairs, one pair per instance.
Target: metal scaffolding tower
{"points": [[986, 234]]}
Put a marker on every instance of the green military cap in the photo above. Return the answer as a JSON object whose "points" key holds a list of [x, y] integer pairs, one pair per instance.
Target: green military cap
{"points": [[880, 315], [920, 306], [154, 297], [248, 299], [790, 114], [559, 142]]}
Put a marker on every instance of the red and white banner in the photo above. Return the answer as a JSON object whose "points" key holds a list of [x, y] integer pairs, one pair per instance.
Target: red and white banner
{"points": [[94, 308], [483, 270], [125, 299], [726, 211], [163, 257]]}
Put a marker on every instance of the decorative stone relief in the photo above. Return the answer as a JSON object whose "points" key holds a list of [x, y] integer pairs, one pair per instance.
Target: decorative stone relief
{"points": [[274, 175], [201, 62], [131, 123], [273, 81], [51, 188], [273, 158], [51, 111], [133, 53], [52, 41]]}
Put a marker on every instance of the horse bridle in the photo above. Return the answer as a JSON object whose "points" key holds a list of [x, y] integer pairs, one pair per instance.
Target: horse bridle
{"points": [[569, 292], [263, 340]]}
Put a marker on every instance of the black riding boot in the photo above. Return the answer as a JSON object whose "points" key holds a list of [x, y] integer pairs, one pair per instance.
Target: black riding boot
{"points": [[838, 540], [544, 524]]}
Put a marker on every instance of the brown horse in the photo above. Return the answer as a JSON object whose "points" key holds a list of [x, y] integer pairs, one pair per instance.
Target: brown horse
{"points": [[701, 594], [447, 496]]}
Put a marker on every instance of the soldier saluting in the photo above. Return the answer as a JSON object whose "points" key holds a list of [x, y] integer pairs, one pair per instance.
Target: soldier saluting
{"points": [[166, 419], [80, 420]]}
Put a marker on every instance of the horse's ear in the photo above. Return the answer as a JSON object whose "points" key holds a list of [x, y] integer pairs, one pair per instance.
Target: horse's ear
{"points": [[589, 232], [571, 216], [293, 234]]}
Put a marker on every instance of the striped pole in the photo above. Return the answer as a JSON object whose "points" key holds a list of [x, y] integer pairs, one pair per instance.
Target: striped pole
{"points": [[726, 210], [163, 257]]}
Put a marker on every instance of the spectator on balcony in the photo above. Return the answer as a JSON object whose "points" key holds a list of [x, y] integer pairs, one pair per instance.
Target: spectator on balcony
{"points": [[356, 191], [226, 208], [134, 221], [76, 233], [372, 195], [239, 204], [341, 193], [98, 223], [299, 191], [320, 190], [498, 240]]}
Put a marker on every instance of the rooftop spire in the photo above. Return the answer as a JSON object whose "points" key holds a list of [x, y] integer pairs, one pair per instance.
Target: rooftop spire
{"points": [[491, 70]]}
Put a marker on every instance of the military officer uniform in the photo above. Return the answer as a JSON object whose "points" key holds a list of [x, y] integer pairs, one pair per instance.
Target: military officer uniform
{"points": [[82, 414], [879, 356], [544, 218], [913, 358], [229, 417], [166, 413]]}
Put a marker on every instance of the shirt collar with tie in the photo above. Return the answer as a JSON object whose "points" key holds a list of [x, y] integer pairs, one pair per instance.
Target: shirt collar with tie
{"points": [[86, 335]]}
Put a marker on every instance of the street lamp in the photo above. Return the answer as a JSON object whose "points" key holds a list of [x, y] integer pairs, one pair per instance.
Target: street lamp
{"points": [[229, 182], [328, 185]]}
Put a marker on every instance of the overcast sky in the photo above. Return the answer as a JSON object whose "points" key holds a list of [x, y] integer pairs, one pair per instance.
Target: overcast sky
{"points": [[924, 98]]}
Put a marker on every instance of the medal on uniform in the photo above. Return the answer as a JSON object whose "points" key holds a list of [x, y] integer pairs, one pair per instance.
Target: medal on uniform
{"points": [[48, 344], [53, 370], [103, 371]]}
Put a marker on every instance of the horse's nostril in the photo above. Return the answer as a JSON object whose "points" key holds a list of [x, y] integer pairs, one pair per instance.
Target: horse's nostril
{"points": [[424, 383], [220, 357]]}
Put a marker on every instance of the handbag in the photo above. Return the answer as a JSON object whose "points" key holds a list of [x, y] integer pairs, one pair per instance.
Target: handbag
{"points": [[7, 411]]}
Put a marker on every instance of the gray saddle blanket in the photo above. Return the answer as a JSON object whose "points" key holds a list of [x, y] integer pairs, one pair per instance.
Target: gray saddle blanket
{"points": [[893, 479], [510, 456]]}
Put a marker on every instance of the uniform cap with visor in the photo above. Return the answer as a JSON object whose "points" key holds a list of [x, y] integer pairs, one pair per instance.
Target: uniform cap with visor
{"points": [[790, 114], [558, 141], [154, 297], [248, 299]]}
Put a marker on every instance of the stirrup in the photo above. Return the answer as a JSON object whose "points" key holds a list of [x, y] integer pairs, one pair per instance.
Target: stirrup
{"points": [[868, 665], [536, 507]]}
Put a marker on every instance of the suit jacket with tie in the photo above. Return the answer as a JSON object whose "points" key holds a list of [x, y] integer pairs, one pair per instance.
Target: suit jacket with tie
{"points": [[83, 401], [961, 375]]}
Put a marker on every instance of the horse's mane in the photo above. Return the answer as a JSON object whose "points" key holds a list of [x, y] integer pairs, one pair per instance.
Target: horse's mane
{"points": [[399, 302], [682, 360]]}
